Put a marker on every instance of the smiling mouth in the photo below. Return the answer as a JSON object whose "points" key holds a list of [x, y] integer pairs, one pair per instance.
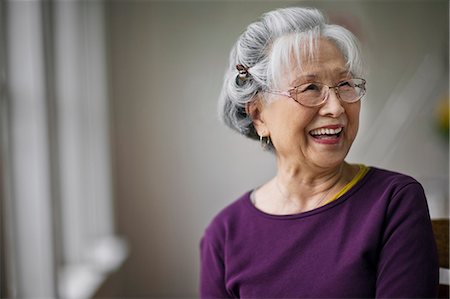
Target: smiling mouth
{"points": [[325, 133]]}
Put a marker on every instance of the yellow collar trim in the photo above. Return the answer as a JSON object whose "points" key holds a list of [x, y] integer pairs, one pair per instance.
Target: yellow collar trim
{"points": [[363, 169]]}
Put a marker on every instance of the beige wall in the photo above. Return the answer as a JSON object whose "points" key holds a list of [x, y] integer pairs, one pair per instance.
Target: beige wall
{"points": [[176, 166]]}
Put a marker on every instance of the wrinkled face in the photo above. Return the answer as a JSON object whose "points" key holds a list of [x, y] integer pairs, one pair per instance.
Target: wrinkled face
{"points": [[319, 136]]}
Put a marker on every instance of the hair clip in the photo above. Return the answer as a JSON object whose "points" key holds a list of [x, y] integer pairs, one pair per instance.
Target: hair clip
{"points": [[242, 75]]}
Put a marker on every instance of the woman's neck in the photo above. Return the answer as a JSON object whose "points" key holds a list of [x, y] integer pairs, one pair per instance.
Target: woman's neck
{"points": [[299, 189], [301, 184]]}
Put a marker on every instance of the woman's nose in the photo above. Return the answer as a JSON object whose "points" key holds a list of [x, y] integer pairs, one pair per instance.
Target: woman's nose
{"points": [[333, 105]]}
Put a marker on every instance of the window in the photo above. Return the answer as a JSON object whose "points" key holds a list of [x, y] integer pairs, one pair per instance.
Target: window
{"points": [[63, 242]]}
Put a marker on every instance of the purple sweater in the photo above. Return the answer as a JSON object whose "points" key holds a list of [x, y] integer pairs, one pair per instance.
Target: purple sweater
{"points": [[375, 240]]}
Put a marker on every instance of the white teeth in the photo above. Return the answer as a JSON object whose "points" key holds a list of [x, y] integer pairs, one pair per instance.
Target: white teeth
{"points": [[324, 131]]}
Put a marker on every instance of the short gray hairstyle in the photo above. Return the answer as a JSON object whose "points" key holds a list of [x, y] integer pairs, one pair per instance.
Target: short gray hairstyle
{"points": [[266, 47]]}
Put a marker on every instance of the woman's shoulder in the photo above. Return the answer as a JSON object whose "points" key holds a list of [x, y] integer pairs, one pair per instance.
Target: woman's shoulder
{"points": [[394, 179], [233, 210], [228, 218], [392, 186], [380, 187]]}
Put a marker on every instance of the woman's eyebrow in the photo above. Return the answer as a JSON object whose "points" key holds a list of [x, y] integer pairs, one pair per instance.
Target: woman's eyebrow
{"points": [[313, 76], [345, 72], [303, 77]]}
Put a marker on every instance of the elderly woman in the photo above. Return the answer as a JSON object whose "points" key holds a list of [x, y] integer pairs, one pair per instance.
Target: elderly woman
{"points": [[321, 227]]}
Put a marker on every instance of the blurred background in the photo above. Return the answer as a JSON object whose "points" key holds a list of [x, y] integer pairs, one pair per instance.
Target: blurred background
{"points": [[113, 160]]}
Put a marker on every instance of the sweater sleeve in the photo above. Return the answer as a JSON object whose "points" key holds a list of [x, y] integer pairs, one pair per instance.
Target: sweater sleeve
{"points": [[212, 271], [408, 265]]}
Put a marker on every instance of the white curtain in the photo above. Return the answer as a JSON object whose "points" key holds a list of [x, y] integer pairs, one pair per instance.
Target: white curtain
{"points": [[62, 240]]}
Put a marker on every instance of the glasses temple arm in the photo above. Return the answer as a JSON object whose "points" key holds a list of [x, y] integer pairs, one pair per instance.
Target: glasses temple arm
{"points": [[279, 92]]}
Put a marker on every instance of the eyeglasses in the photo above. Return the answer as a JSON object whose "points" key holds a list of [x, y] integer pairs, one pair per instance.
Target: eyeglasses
{"points": [[315, 94]]}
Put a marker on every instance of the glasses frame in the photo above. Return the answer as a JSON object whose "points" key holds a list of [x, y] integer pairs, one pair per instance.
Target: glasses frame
{"points": [[288, 93]]}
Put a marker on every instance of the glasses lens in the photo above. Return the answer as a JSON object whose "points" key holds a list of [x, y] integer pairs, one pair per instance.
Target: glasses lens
{"points": [[314, 94], [352, 90], [309, 94]]}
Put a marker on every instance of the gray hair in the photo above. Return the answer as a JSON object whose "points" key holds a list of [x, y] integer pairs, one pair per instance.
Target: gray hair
{"points": [[266, 47]]}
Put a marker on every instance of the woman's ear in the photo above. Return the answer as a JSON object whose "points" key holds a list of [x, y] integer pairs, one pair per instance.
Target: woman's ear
{"points": [[255, 110]]}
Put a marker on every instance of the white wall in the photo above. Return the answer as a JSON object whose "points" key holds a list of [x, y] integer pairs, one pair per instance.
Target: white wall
{"points": [[176, 165]]}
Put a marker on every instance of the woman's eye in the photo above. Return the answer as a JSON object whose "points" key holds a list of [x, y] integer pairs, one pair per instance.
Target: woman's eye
{"points": [[345, 84], [309, 87]]}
